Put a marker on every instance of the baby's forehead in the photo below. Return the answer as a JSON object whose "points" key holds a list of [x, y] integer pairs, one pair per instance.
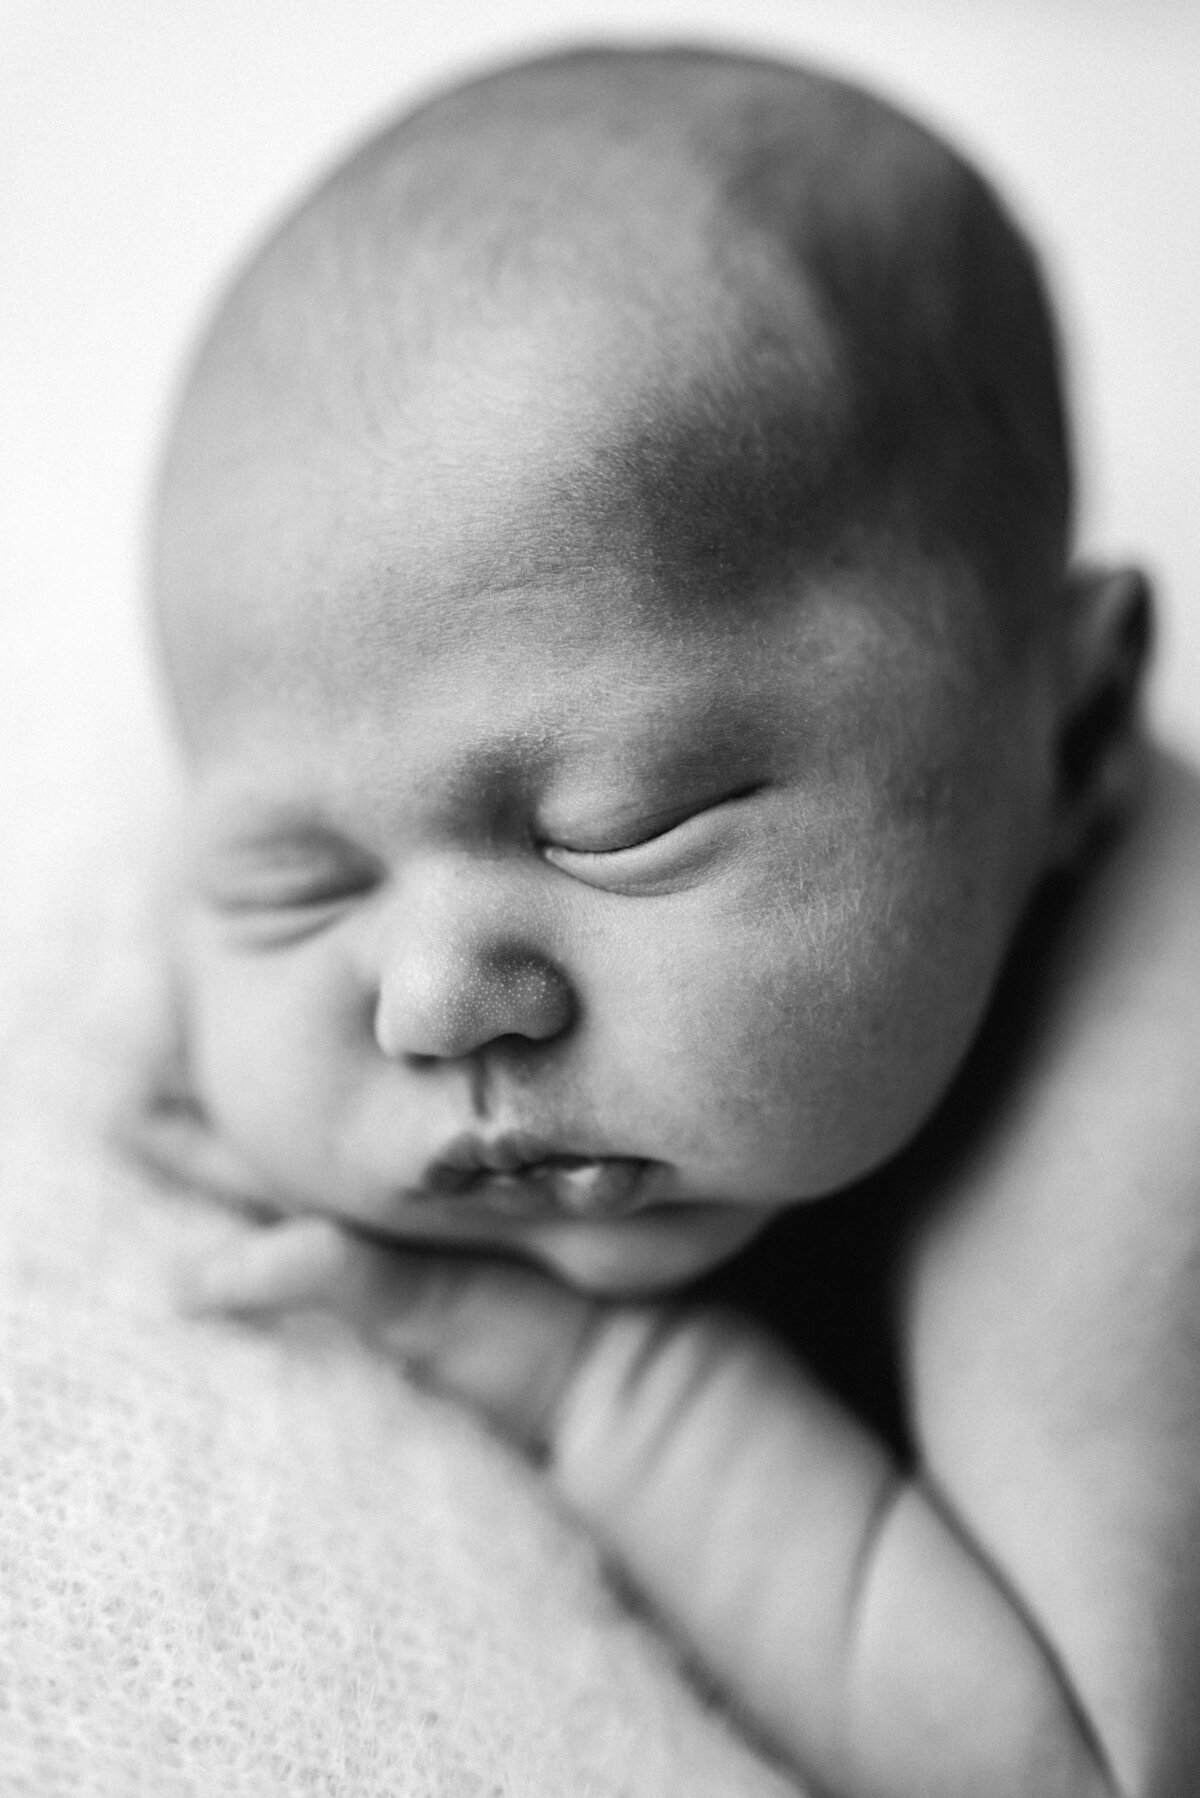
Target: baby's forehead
{"points": [[587, 509], [686, 314], [576, 424]]}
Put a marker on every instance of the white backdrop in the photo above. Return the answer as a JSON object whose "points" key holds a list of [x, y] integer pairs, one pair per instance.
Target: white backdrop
{"points": [[142, 141]]}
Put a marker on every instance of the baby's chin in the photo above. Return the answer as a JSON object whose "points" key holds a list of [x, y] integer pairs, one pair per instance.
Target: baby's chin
{"points": [[654, 1253]]}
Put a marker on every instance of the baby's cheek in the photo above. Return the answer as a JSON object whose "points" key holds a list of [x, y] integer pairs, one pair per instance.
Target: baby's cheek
{"points": [[737, 1038], [262, 1065], [825, 1040]]}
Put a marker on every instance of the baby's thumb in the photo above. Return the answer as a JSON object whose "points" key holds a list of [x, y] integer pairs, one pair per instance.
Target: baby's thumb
{"points": [[497, 1334]]}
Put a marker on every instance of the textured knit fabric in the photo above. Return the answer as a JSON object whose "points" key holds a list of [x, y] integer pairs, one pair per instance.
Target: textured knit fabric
{"points": [[239, 1561]]}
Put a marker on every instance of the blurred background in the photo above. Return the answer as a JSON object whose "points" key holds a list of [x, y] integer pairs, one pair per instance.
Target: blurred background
{"points": [[141, 143]]}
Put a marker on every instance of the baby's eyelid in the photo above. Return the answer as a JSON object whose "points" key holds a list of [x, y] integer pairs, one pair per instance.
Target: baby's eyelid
{"points": [[293, 882], [677, 820], [334, 885]]}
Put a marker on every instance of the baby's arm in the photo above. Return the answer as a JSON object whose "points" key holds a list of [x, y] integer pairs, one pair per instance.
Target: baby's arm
{"points": [[1053, 1326], [827, 1593]]}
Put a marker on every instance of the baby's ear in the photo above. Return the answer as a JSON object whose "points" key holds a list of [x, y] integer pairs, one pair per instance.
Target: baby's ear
{"points": [[1107, 635]]}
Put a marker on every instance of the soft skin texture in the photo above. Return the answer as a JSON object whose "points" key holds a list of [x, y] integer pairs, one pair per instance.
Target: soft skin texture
{"points": [[416, 912], [589, 744], [589, 751]]}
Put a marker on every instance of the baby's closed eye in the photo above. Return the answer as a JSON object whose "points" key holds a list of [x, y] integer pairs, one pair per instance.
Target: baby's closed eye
{"points": [[651, 852], [298, 877]]}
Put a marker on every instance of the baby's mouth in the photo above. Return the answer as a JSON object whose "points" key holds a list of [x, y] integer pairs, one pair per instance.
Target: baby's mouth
{"points": [[520, 1177]]}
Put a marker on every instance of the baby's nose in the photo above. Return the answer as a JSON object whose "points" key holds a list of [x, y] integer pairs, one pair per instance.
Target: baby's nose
{"points": [[452, 999]]}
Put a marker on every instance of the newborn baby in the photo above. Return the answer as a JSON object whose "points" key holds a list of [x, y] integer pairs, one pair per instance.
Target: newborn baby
{"points": [[656, 777]]}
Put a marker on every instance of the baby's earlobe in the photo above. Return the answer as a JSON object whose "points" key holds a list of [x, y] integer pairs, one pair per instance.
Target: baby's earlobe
{"points": [[1108, 635]]}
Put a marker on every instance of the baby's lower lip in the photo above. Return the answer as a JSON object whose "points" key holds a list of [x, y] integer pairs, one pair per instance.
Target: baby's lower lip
{"points": [[560, 1186]]}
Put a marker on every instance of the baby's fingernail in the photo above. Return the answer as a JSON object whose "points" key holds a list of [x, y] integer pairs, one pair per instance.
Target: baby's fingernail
{"points": [[279, 1268]]}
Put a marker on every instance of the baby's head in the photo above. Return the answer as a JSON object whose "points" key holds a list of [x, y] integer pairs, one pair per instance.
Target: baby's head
{"points": [[612, 569]]}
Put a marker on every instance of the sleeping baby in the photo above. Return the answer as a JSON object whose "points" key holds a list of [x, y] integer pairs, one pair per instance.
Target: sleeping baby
{"points": [[681, 941]]}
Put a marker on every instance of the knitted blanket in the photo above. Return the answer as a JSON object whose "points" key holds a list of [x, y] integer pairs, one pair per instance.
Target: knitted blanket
{"points": [[244, 1562]]}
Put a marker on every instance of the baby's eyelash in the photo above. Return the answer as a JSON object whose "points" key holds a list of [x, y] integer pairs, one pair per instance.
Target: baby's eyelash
{"points": [[284, 883], [657, 828], [638, 839], [304, 893], [681, 852]]}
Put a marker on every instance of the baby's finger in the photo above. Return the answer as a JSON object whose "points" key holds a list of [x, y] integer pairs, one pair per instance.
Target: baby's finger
{"points": [[499, 1335], [283, 1266], [504, 1337]]}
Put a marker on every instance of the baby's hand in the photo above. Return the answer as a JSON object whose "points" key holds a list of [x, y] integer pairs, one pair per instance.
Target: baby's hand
{"points": [[832, 1597], [497, 1334]]}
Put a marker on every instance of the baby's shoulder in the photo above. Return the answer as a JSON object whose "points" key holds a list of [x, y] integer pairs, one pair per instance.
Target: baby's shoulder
{"points": [[1057, 1264], [1077, 1134], [1049, 1351]]}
